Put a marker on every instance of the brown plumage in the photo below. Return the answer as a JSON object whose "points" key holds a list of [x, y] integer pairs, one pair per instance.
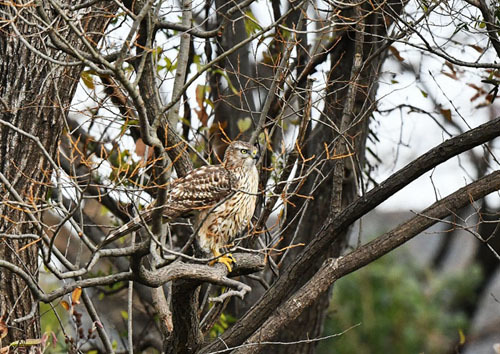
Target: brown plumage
{"points": [[222, 197]]}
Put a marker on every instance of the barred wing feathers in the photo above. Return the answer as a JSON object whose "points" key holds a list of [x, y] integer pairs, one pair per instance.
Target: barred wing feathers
{"points": [[200, 189]]}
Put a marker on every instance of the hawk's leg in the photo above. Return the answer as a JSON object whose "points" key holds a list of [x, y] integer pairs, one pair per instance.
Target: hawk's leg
{"points": [[226, 259]]}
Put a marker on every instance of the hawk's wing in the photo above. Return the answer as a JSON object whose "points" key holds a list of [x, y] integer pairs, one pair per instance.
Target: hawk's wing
{"points": [[202, 188]]}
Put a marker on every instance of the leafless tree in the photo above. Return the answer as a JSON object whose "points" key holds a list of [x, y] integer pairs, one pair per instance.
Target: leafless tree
{"points": [[104, 102]]}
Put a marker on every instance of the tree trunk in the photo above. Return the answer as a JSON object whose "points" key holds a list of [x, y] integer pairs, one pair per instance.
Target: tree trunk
{"points": [[187, 337], [310, 323], [35, 97], [232, 93]]}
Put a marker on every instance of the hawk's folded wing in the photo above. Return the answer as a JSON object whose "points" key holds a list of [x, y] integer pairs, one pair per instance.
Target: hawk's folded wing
{"points": [[200, 189]]}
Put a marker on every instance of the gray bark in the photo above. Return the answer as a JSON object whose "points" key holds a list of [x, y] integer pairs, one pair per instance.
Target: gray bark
{"points": [[35, 96]]}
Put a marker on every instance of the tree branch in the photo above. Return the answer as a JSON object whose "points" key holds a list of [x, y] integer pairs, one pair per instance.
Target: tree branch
{"points": [[211, 64], [335, 225], [340, 146], [245, 264], [200, 33], [334, 269], [489, 20]]}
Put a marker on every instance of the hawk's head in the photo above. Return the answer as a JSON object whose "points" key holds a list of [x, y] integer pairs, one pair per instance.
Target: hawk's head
{"points": [[240, 153]]}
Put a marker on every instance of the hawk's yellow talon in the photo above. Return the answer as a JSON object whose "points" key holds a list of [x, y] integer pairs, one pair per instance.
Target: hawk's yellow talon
{"points": [[226, 259]]}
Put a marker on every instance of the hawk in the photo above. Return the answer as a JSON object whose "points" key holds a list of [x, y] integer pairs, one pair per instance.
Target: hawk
{"points": [[222, 197]]}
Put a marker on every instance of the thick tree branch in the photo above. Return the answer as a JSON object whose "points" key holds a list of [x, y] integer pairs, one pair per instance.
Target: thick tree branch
{"points": [[335, 225], [187, 335], [341, 145], [245, 264], [334, 269]]}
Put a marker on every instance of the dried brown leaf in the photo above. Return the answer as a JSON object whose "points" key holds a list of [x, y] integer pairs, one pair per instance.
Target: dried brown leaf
{"points": [[65, 305], [3, 328], [477, 48], [450, 66], [452, 75], [75, 296], [395, 52], [446, 114]]}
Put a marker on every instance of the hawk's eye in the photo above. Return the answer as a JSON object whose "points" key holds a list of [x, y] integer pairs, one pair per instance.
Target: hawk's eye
{"points": [[244, 151]]}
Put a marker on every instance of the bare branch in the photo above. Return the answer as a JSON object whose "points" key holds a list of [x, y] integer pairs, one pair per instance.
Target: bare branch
{"points": [[198, 32], [333, 226], [334, 269]]}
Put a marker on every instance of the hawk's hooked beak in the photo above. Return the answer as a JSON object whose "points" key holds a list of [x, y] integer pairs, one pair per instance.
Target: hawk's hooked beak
{"points": [[256, 152]]}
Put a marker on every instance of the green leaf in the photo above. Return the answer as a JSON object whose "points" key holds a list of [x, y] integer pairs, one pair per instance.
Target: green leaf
{"points": [[169, 65], [229, 83], [244, 124], [48, 196], [185, 121], [87, 79], [461, 336], [251, 24], [124, 315], [209, 102], [26, 343], [157, 52], [130, 122], [425, 94]]}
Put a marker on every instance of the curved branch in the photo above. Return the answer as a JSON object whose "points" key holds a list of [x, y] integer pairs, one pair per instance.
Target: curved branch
{"points": [[246, 263], [200, 33], [334, 269], [335, 225]]}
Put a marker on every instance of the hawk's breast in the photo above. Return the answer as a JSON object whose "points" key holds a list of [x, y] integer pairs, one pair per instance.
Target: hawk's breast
{"points": [[234, 214]]}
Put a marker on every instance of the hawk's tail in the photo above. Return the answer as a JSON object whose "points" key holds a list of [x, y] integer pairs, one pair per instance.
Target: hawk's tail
{"points": [[137, 222], [131, 226]]}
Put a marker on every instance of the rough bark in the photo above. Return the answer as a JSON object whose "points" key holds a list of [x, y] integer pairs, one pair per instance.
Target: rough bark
{"points": [[35, 95], [333, 226], [310, 323], [231, 104], [333, 269], [188, 336]]}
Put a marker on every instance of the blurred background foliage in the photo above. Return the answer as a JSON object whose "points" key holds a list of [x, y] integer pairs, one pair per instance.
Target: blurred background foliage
{"points": [[400, 307]]}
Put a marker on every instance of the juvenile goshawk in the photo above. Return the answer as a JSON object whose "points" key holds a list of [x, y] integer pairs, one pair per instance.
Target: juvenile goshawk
{"points": [[222, 197]]}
